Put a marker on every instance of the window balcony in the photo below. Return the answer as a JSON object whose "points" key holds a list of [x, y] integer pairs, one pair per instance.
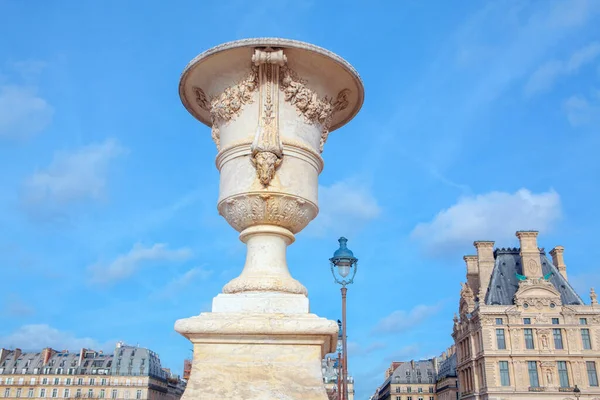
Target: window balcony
{"points": [[566, 389], [537, 389]]}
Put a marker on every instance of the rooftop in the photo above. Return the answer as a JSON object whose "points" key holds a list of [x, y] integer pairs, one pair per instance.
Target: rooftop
{"points": [[125, 361], [504, 282]]}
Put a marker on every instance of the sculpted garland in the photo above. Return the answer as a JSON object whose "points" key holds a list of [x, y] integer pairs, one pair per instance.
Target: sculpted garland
{"points": [[309, 105], [315, 110], [228, 105]]}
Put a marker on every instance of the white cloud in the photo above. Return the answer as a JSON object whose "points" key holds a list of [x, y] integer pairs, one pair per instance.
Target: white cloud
{"points": [[23, 113], [179, 283], [37, 336], [127, 264], [546, 75], [344, 207], [400, 320], [581, 111], [491, 216], [70, 177]]}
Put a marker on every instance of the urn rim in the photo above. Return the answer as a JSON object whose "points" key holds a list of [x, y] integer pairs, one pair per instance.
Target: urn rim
{"points": [[310, 49]]}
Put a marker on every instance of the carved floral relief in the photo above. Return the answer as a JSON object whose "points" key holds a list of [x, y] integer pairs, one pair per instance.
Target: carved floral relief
{"points": [[309, 105], [243, 211]]}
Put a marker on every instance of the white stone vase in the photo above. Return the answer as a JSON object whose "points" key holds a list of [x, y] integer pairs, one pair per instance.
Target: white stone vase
{"points": [[271, 104]]}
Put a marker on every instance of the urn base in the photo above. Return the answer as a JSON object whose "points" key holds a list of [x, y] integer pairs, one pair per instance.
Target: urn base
{"points": [[257, 356]]}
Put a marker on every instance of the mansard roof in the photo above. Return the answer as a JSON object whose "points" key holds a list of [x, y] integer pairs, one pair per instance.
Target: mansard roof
{"points": [[447, 367], [414, 372], [504, 282], [125, 361]]}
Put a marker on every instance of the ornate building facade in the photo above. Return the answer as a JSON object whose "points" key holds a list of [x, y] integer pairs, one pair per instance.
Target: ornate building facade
{"points": [[129, 373], [522, 331]]}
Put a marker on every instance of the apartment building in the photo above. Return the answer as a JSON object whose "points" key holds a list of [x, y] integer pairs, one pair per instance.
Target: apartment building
{"points": [[129, 373]]}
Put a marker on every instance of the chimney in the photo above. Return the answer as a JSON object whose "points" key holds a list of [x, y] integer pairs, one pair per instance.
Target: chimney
{"points": [[485, 262], [17, 353], [47, 353], [434, 362], [530, 254], [3, 354], [558, 260], [472, 273]]}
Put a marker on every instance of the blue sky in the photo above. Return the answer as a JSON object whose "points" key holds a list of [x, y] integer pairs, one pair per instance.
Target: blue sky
{"points": [[480, 119]]}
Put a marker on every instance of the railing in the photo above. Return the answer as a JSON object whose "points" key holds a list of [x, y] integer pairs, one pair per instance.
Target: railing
{"points": [[537, 389], [566, 389]]}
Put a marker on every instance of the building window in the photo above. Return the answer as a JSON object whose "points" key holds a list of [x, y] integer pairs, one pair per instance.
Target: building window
{"points": [[591, 371], [563, 374], [397, 389], [80, 381], [430, 389], [102, 393], [9, 381], [533, 374], [114, 394], [138, 394], [558, 342], [78, 393], [430, 397], [18, 392], [68, 381], [30, 393], [56, 381], [7, 392], [528, 338], [398, 398], [92, 381], [582, 321], [499, 321], [32, 381], [527, 321], [90, 393], [54, 393], [66, 393], [126, 394], [500, 340], [585, 338], [103, 381], [44, 381], [555, 321], [408, 389], [504, 375]]}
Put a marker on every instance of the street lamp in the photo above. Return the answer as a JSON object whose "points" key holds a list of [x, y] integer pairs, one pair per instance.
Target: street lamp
{"points": [[343, 268], [576, 392], [339, 363]]}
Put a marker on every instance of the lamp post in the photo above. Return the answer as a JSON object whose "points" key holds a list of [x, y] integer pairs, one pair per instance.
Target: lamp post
{"points": [[343, 268], [339, 365], [577, 392]]}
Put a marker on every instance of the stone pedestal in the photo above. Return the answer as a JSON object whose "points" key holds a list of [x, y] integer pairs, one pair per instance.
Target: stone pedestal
{"points": [[271, 104]]}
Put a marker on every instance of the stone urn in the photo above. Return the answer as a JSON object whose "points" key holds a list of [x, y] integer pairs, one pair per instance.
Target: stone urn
{"points": [[271, 105]]}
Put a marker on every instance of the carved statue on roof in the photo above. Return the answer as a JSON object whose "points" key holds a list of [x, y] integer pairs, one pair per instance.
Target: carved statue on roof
{"points": [[466, 292], [593, 296]]}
